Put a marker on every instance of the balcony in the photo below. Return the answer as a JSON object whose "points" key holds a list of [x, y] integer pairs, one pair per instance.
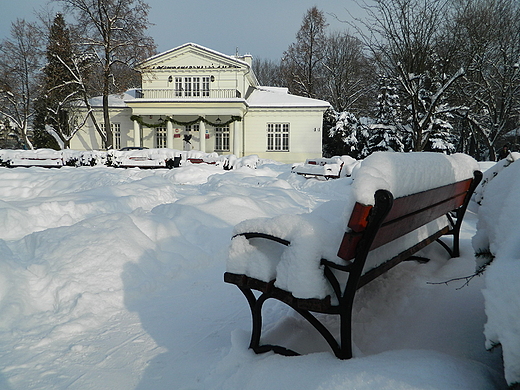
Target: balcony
{"points": [[172, 94]]}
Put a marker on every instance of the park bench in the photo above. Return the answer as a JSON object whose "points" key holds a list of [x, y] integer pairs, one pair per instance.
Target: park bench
{"points": [[194, 160], [326, 168], [369, 227]]}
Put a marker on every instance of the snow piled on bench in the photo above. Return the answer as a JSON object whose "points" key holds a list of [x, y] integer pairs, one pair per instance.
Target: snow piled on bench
{"points": [[316, 235], [407, 173], [498, 233]]}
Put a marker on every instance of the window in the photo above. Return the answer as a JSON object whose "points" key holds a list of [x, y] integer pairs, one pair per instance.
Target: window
{"points": [[160, 137], [187, 86], [278, 137], [205, 86], [116, 134], [222, 139], [192, 127], [178, 86], [196, 86], [192, 86]]}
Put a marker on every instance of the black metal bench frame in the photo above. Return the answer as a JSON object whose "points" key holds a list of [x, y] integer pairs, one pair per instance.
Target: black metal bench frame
{"points": [[369, 227]]}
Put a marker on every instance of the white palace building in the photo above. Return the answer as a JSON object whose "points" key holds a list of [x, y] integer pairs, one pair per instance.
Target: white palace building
{"points": [[193, 97]]}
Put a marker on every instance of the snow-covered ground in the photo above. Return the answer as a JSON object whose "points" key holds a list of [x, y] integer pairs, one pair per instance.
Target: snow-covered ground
{"points": [[113, 279]]}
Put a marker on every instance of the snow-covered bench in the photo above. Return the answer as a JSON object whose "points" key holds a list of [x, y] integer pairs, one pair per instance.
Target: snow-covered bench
{"points": [[327, 168], [144, 158], [47, 158], [398, 204], [194, 160]]}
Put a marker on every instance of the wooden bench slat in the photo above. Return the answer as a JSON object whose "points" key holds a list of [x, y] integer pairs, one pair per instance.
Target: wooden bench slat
{"points": [[411, 203], [387, 265], [392, 230], [407, 214]]}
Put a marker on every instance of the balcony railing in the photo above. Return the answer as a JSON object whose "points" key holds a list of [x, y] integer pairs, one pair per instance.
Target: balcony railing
{"points": [[173, 94]]}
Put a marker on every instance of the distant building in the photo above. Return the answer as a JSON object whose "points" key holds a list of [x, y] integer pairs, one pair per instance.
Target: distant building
{"points": [[193, 97]]}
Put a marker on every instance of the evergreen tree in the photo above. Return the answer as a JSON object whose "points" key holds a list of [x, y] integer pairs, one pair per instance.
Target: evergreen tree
{"points": [[41, 138], [388, 106], [59, 88], [441, 137], [349, 136], [384, 133]]}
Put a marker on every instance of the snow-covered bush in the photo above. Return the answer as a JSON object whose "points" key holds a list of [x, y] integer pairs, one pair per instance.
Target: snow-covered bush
{"points": [[498, 235]]}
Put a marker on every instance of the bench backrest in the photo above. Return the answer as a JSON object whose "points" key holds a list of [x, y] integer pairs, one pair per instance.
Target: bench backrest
{"points": [[406, 214]]}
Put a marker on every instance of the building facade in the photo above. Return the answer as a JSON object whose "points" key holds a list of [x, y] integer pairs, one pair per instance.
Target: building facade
{"points": [[193, 97]]}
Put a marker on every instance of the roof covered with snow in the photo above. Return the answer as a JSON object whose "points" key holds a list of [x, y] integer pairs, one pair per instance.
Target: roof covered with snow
{"points": [[114, 100], [262, 97], [280, 97], [197, 47]]}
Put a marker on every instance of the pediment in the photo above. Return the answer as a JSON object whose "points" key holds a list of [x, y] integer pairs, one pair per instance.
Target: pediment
{"points": [[192, 56]]}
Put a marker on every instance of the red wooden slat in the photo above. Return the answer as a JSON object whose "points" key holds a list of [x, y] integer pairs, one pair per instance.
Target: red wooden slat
{"points": [[411, 203], [389, 231], [347, 249], [358, 219], [407, 214]]}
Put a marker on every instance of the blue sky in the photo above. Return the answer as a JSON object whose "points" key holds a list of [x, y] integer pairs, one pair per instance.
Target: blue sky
{"points": [[261, 28]]}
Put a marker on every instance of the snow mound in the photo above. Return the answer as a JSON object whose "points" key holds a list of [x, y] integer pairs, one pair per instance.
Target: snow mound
{"points": [[498, 234]]}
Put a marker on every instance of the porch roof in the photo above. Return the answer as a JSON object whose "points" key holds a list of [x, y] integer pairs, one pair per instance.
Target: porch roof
{"points": [[280, 97]]}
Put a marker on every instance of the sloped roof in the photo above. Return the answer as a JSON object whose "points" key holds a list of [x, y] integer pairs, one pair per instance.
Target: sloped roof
{"points": [[195, 46], [114, 100], [280, 97]]}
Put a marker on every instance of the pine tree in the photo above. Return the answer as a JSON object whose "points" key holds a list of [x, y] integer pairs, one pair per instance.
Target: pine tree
{"points": [[441, 137], [58, 88], [349, 136], [384, 133], [41, 138]]}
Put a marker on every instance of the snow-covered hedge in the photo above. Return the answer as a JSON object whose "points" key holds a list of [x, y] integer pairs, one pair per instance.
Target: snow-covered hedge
{"points": [[498, 236], [157, 158], [493, 171]]}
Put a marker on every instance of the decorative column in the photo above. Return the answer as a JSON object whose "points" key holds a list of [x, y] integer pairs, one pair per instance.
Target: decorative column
{"points": [[169, 135], [137, 134], [202, 136], [236, 138]]}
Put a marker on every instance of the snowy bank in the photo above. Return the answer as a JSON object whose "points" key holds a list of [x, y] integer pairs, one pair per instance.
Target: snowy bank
{"points": [[498, 234]]}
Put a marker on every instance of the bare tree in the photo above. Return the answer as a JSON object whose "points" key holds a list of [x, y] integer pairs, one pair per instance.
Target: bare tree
{"points": [[347, 73], [487, 34], [20, 62], [113, 32], [302, 62], [404, 37], [268, 72], [404, 32]]}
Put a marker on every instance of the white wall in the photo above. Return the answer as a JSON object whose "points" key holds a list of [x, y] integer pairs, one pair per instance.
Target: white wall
{"points": [[304, 141], [88, 138]]}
